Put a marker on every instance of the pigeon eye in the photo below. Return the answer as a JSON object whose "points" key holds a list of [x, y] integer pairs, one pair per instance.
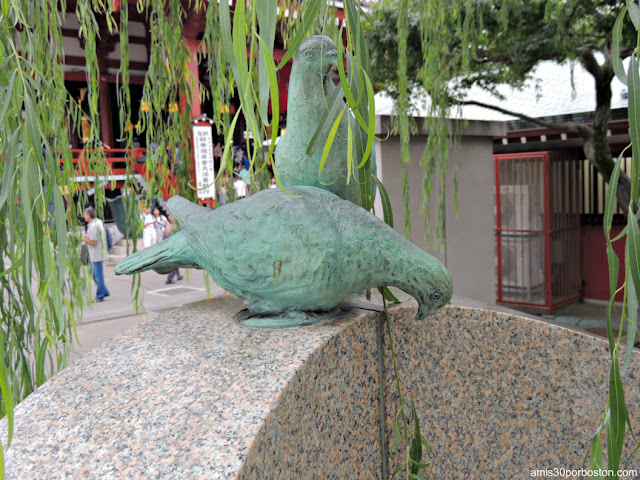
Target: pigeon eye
{"points": [[435, 296], [310, 54]]}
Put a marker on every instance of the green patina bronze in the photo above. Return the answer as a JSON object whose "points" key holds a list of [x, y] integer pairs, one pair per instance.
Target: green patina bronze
{"points": [[302, 253], [310, 87], [294, 258]]}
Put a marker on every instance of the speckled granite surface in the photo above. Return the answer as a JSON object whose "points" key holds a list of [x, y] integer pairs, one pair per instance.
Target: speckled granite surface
{"points": [[179, 397], [500, 395], [193, 395]]}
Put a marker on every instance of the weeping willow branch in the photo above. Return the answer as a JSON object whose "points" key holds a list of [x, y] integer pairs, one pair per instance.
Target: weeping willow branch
{"points": [[580, 129]]}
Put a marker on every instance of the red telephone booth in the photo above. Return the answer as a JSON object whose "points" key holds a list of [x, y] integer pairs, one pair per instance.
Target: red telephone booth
{"points": [[538, 229]]}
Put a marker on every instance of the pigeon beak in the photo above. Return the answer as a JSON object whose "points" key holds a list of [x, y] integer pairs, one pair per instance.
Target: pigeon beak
{"points": [[423, 311], [330, 65]]}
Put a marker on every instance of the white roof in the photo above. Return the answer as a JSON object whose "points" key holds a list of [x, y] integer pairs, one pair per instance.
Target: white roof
{"points": [[547, 93]]}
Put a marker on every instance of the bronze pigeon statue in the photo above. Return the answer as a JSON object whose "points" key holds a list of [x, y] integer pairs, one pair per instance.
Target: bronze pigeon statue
{"points": [[310, 87], [286, 253]]}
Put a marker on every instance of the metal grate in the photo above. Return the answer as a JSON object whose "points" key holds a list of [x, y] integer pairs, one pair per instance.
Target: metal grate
{"points": [[538, 229], [595, 190]]}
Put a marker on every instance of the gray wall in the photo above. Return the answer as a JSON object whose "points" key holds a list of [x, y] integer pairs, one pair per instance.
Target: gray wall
{"points": [[469, 252]]}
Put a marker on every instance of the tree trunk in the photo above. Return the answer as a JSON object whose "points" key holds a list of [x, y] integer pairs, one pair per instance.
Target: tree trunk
{"points": [[596, 147]]}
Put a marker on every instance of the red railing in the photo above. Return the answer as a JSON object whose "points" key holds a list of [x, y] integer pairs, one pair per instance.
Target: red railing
{"points": [[118, 159]]}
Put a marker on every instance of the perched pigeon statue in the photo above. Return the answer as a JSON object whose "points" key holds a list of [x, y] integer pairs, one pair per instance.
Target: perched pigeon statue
{"points": [[286, 253], [310, 87]]}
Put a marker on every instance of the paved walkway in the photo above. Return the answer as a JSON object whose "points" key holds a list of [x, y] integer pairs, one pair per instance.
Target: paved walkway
{"points": [[590, 316], [117, 313]]}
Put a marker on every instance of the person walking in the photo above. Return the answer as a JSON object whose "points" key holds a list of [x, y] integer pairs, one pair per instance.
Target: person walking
{"points": [[217, 156], [163, 231], [148, 227], [161, 224], [239, 155], [96, 240]]}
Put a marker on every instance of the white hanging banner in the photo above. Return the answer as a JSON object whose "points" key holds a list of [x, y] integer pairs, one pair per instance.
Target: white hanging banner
{"points": [[203, 157]]}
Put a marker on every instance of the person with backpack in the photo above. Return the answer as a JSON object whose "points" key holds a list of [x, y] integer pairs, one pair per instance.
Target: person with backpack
{"points": [[96, 240]]}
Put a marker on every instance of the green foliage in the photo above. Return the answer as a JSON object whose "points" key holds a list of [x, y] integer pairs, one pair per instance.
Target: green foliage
{"points": [[453, 45], [43, 288], [488, 43], [413, 442], [616, 416]]}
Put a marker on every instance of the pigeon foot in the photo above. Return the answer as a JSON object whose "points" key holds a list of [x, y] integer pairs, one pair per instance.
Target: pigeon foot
{"points": [[291, 319]]}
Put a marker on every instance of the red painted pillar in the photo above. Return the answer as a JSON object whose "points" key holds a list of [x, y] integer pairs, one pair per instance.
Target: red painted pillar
{"points": [[193, 46]]}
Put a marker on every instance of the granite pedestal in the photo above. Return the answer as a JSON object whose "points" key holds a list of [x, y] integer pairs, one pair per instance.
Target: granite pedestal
{"points": [[193, 395]]}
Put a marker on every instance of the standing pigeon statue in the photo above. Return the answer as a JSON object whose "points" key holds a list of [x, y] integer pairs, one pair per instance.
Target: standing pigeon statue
{"points": [[294, 253], [310, 88]]}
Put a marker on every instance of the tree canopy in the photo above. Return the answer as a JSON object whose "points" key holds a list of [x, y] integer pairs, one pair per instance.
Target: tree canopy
{"points": [[488, 43]]}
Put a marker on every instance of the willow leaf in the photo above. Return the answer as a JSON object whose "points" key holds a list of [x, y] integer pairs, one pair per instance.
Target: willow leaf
{"points": [[370, 129], [267, 13], [387, 211], [364, 178], [633, 246], [613, 263], [350, 160], [240, 47], [10, 169], [347, 89], [597, 462], [41, 351], [388, 295], [329, 143], [243, 80], [397, 470], [361, 51], [621, 235], [618, 68], [280, 185], [275, 95], [633, 78], [310, 14], [324, 120], [632, 320], [617, 420], [9, 99], [227, 43], [5, 386], [415, 452], [634, 13], [226, 155], [611, 197]]}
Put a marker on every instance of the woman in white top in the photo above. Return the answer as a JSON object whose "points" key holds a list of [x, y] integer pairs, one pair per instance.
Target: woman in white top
{"points": [[241, 188], [162, 224], [148, 227]]}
